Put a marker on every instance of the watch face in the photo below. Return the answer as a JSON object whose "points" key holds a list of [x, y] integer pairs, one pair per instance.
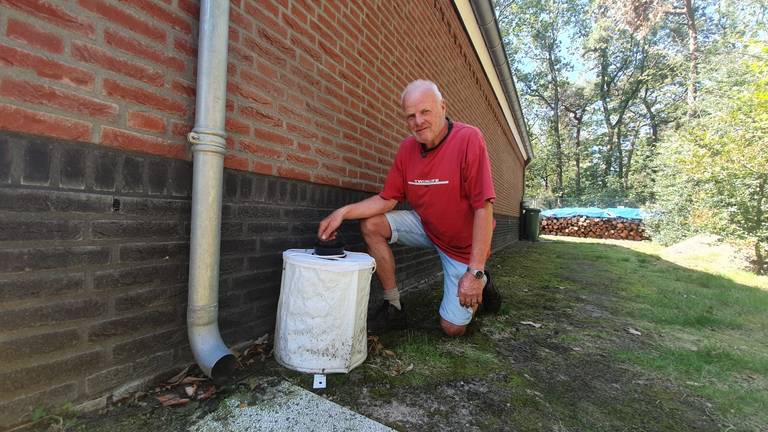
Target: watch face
{"points": [[478, 274]]}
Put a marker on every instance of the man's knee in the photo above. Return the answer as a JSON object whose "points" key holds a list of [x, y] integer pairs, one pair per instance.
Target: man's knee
{"points": [[376, 227], [452, 330]]}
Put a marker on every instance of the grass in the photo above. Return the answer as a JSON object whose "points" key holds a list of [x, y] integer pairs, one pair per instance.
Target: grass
{"points": [[699, 362]]}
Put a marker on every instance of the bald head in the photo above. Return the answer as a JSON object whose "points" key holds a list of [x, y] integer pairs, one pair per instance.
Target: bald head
{"points": [[424, 112], [418, 86]]}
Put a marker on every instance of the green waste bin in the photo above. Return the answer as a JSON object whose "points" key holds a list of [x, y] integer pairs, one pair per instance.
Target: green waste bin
{"points": [[531, 223]]}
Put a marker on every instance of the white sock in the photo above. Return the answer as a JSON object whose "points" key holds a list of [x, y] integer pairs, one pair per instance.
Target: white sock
{"points": [[393, 296]]}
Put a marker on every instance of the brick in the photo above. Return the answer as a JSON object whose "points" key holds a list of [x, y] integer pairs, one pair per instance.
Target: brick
{"points": [[144, 50], [25, 230], [29, 347], [146, 121], [132, 324], [94, 55], [45, 201], [151, 344], [133, 177], [143, 299], [157, 172], [100, 382], [162, 361], [250, 94], [180, 178], [237, 127], [105, 164], [158, 13], [231, 183], [5, 160], [46, 68], [23, 120], [294, 173], [72, 168], [236, 162], [301, 160], [150, 275], [47, 374], [142, 143], [133, 229], [137, 252], [259, 263], [184, 46], [37, 163], [183, 88], [54, 313], [156, 208], [32, 259], [143, 97], [261, 116], [53, 14], [259, 150], [40, 286], [125, 19], [31, 35], [238, 246], [246, 188], [272, 137]]}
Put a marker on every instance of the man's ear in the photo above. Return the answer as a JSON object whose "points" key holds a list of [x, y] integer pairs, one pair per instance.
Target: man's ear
{"points": [[442, 106]]}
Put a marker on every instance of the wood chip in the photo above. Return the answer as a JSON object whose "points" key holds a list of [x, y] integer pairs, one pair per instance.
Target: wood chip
{"points": [[531, 323]]}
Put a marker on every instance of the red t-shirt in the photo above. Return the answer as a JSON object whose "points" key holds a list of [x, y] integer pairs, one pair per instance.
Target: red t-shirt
{"points": [[445, 187]]}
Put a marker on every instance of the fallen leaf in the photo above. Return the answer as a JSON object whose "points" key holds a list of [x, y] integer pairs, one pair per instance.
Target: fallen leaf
{"points": [[192, 380], [531, 323], [206, 394], [630, 330], [178, 377], [388, 353], [190, 390], [170, 399]]}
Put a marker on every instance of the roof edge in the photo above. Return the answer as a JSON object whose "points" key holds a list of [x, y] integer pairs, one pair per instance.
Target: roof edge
{"points": [[484, 19]]}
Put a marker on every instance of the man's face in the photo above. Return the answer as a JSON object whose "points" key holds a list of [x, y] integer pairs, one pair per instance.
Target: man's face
{"points": [[425, 115]]}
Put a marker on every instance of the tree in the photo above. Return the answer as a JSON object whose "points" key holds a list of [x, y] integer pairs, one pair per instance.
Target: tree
{"points": [[641, 16], [534, 32], [720, 160]]}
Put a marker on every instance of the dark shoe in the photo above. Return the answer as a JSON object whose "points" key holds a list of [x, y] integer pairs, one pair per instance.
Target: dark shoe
{"points": [[491, 297], [388, 317]]}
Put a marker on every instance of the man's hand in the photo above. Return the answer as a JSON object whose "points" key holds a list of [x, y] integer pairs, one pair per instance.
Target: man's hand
{"points": [[470, 290], [329, 225]]}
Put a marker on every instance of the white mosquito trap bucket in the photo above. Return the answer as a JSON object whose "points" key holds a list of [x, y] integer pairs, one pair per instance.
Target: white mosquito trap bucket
{"points": [[322, 311]]}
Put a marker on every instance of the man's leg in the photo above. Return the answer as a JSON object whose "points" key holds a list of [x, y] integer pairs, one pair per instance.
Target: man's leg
{"points": [[376, 233], [454, 317]]}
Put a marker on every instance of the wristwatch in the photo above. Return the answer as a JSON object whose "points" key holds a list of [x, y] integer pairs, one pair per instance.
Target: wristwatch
{"points": [[477, 274]]}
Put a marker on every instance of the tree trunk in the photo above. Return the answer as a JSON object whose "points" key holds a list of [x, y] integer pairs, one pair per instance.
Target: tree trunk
{"points": [[630, 152], [693, 55], [619, 155], [577, 145], [556, 116]]}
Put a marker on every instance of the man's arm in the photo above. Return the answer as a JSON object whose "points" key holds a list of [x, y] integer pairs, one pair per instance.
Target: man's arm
{"points": [[471, 289], [366, 208]]}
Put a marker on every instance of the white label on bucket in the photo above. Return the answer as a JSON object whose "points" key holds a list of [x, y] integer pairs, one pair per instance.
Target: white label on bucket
{"points": [[319, 381]]}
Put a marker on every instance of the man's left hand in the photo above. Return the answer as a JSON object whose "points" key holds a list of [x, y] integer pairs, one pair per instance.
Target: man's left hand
{"points": [[470, 291]]}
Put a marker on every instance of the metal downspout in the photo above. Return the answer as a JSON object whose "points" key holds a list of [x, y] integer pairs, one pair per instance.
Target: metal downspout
{"points": [[208, 150]]}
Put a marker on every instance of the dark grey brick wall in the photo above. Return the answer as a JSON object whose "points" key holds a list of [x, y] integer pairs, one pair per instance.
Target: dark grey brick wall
{"points": [[94, 248]]}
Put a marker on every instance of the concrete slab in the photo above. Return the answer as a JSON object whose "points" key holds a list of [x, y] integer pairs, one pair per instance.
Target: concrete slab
{"points": [[282, 406]]}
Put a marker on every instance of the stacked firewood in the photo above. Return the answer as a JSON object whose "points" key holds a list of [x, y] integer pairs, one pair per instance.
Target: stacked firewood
{"points": [[603, 228]]}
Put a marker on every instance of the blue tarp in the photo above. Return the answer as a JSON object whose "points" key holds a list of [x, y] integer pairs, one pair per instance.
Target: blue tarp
{"points": [[627, 213]]}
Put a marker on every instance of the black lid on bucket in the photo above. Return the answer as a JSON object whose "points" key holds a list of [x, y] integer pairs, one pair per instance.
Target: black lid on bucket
{"points": [[329, 248]]}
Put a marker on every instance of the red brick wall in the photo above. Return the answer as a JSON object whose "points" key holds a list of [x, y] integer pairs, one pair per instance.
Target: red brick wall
{"points": [[313, 86]]}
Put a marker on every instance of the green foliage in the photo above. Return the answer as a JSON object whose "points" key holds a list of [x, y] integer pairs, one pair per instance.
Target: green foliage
{"points": [[714, 170]]}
